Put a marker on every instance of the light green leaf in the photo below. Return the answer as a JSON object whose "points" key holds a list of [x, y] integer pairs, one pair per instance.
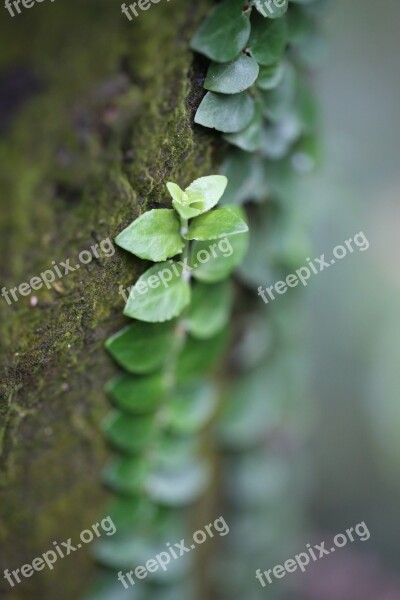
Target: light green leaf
{"points": [[181, 202], [233, 77], [135, 394], [250, 138], [204, 193], [216, 224], [268, 39], [224, 33], [153, 236], [130, 433], [210, 309], [192, 408], [221, 263], [225, 113], [160, 294], [270, 76], [178, 487], [272, 9], [142, 348]]}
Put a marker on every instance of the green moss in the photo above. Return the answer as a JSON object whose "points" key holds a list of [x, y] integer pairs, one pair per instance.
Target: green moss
{"points": [[81, 159]]}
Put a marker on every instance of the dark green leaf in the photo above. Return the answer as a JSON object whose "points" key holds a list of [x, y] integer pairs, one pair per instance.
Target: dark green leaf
{"points": [[224, 33], [233, 77], [268, 39], [225, 113]]}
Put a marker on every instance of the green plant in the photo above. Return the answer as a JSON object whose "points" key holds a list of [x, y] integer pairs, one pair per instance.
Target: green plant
{"points": [[259, 98], [163, 399]]}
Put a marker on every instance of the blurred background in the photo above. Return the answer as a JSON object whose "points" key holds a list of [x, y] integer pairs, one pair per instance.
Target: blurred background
{"points": [[352, 321]]}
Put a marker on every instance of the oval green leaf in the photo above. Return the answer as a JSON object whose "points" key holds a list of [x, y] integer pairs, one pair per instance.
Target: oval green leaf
{"points": [[224, 33], [126, 475], [225, 113], [135, 394], [216, 224], [130, 433], [160, 294], [233, 77], [268, 39], [142, 348], [153, 236], [210, 309]]}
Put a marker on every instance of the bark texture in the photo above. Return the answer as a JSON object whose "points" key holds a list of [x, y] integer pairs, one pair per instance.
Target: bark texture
{"points": [[96, 115]]}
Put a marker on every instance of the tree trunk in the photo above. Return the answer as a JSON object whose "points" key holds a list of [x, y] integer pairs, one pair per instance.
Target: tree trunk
{"points": [[96, 115]]}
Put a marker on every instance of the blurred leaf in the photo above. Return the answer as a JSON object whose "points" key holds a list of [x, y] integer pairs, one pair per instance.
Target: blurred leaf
{"points": [[192, 408], [270, 76], [210, 309], [250, 138], [137, 394], [178, 487], [126, 475], [130, 433], [142, 348], [200, 356], [247, 179]]}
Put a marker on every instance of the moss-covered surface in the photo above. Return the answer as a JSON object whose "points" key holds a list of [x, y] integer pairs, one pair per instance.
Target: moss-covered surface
{"points": [[98, 118]]}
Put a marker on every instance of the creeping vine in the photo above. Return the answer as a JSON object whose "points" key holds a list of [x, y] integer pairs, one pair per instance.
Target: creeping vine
{"points": [[259, 98]]}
